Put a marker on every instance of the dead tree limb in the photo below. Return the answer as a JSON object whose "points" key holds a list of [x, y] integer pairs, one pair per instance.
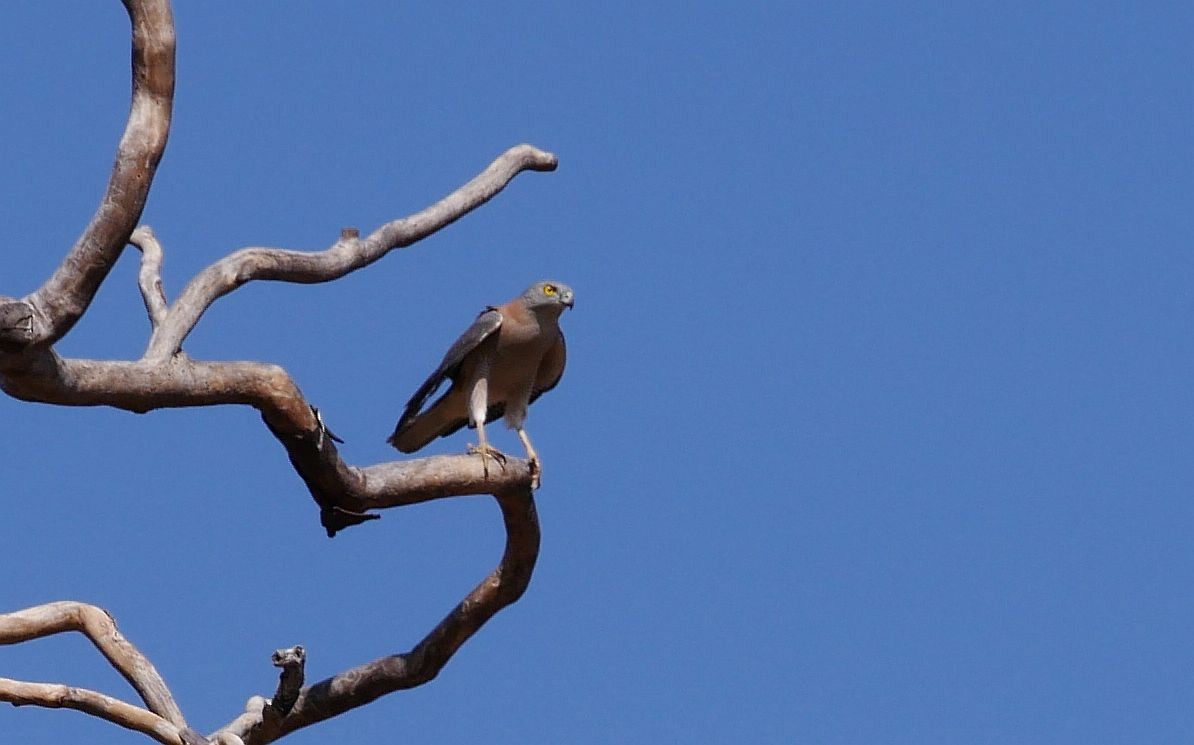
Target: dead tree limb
{"points": [[292, 660], [347, 254], [58, 696], [31, 371], [161, 720], [344, 493], [98, 626], [65, 296], [165, 377], [365, 683], [149, 277]]}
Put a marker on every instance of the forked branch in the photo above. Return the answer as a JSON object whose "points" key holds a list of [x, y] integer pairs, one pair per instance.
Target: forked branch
{"points": [[367, 682], [162, 719], [65, 296], [347, 254], [344, 493], [165, 377]]}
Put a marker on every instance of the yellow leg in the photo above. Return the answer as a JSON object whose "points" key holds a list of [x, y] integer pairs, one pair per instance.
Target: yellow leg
{"points": [[478, 403], [486, 451], [532, 457]]}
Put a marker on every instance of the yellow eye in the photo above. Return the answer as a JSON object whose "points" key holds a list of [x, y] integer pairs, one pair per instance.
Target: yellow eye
{"points": [[549, 289]]}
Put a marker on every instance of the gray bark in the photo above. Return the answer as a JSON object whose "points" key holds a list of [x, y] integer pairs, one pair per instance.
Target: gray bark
{"points": [[165, 377]]}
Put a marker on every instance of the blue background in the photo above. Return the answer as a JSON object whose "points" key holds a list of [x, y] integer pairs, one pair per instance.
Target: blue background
{"points": [[877, 421]]}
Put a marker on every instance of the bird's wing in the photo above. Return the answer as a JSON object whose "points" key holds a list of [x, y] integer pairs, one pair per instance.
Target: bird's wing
{"points": [[488, 322], [551, 368], [547, 374]]}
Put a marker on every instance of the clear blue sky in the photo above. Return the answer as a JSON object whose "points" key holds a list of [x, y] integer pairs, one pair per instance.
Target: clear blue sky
{"points": [[877, 425]]}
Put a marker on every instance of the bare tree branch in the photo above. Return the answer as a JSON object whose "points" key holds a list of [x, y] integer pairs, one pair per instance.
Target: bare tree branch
{"points": [[62, 300], [347, 254], [290, 682], [344, 493], [100, 628], [57, 696], [252, 718], [149, 278], [165, 377], [16, 324], [365, 683]]}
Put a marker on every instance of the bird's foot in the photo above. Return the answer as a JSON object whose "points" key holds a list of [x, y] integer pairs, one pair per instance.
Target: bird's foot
{"points": [[486, 452], [536, 472]]}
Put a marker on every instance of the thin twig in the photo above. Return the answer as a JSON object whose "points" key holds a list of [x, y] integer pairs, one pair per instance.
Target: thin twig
{"points": [[149, 277]]}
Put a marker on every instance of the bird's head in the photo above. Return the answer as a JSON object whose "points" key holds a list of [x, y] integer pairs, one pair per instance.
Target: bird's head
{"points": [[548, 295]]}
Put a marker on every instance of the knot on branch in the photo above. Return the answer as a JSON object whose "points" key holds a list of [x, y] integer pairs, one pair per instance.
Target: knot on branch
{"points": [[17, 324], [290, 682], [335, 486]]}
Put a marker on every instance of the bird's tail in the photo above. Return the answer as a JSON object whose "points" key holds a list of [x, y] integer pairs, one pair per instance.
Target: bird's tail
{"points": [[415, 430]]}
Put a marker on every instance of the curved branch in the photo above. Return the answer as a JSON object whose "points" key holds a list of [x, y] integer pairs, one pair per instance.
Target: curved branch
{"points": [[251, 719], [149, 276], [344, 493], [30, 370], [56, 696], [141, 386], [365, 683], [62, 300], [100, 628], [347, 254]]}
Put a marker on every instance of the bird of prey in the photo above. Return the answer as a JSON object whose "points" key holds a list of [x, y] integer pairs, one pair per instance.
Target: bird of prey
{"points": [[511, 355]]}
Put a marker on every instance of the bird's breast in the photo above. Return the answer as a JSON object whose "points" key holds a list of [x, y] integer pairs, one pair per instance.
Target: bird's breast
{"points": [[516, 357]]}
